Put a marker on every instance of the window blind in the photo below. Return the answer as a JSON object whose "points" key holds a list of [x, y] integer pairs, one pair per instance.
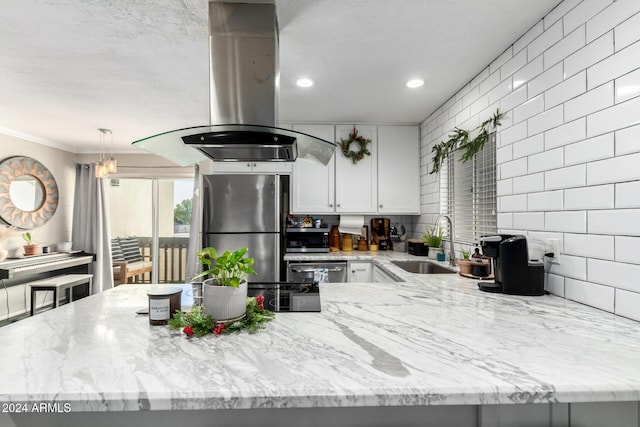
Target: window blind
{"points": [[468, 193]]}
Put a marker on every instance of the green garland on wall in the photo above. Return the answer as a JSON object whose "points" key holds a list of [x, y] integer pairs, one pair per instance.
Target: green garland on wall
{"points": [[355, 156], [459, 140]]}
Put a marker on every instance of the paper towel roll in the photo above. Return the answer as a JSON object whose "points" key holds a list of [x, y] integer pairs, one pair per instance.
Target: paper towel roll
{"points": [[351, 224]]}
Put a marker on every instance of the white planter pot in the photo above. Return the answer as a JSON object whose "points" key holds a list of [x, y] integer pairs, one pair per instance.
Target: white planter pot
{"points": [[224, 302]]}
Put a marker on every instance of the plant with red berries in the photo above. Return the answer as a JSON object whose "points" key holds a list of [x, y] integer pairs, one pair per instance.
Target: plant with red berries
{"points": [[198, 322]]}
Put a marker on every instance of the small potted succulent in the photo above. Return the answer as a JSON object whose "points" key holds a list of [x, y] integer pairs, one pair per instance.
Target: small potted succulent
{"points": [[224, 290], [30, 248], [432, 238], [465, 262]]}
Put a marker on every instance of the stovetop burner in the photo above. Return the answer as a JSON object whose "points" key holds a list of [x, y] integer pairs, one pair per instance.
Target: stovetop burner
{"points": [[287, 296]]}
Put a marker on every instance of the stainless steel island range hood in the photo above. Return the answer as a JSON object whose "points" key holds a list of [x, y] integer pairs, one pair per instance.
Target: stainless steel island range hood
{"points": [[243, 97]]}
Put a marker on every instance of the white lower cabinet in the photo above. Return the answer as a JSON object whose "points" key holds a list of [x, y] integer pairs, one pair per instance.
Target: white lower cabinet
{"points": [[381, 276], [360, 271]]}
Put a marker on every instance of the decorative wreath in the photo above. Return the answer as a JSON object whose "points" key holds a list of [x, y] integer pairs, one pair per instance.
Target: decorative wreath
{"points": [[355, 156]]}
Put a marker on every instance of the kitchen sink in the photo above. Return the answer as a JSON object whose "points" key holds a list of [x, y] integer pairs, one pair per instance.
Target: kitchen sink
{"points": [[422, 267]]}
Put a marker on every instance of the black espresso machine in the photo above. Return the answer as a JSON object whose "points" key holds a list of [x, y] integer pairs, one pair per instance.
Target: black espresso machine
{"points": [[514, 273]]}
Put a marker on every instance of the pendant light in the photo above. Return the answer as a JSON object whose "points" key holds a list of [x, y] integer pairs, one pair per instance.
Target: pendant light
{"points": [[105, 167]]}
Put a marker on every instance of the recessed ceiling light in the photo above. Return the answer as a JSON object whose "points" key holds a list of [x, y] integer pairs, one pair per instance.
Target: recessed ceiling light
{"points": [[304, 82], [415, 83]]}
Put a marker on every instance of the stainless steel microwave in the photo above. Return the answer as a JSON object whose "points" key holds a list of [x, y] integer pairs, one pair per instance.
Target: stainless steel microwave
{"points": [[307, 239]]}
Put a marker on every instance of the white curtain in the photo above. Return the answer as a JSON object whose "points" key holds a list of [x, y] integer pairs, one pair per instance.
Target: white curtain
{"points": [[195, 244], [91, 232]]}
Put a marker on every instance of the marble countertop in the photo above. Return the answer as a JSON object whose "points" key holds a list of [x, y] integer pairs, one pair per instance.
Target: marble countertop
{"points": [[431, 340]]}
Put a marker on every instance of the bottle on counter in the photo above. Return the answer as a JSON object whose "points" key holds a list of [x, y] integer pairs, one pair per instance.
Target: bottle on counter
{"points": [[347, 243], [334, 239]]}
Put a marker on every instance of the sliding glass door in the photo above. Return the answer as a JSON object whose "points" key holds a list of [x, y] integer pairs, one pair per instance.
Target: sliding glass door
{"points": [[157, 212]]}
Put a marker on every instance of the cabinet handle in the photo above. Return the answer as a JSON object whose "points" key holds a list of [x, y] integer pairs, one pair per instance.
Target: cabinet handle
{"points": [[380, 205], [248, 165], [254, 165], [330, 205], [338, 205]]}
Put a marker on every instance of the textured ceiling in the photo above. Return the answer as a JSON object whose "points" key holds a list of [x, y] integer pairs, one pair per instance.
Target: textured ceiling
{"points": [[69, 67]]}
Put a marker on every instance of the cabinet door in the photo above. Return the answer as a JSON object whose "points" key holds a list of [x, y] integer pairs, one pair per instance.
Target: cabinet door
{"points": [[360, 272], [312, 188], [399, 169], [356, 184], [231, 167], [272, 167]]}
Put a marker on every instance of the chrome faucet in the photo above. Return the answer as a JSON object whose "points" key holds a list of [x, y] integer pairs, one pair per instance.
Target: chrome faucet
{"points": [[452, 251]]}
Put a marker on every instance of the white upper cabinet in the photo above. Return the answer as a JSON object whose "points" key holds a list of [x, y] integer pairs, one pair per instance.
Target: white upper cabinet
{"points": [[399, 169], [313, 183], [356, 183], [385, 182]]}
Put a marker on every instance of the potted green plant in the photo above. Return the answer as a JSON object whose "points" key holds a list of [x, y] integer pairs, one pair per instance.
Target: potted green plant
{"points": [[30, 248], [465, 262], [224, 290], [433, 239]]}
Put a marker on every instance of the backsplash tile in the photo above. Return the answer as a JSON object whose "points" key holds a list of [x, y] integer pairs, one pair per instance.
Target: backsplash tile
{"points": [[583, 12], [571, 266], [617, 222], [528, 184], [627, 32], [546, 201], [566, 221], [618, 274], [566, 134], [592, 294], [628, 304], [623, 168], [610, 17], [552, 159], [568, 89], [569, 149], [594, 100], [627, 249], [589, 55], [628, 195], [614, 66], [589, 245], [598, 148], [596, 197], [573, 176]]}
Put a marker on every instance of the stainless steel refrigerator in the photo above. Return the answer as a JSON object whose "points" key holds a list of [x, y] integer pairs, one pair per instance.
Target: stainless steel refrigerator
{"points": [[246, 211]]}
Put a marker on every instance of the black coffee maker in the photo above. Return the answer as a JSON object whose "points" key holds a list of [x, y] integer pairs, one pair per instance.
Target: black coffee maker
{"points": [[514, 273]]}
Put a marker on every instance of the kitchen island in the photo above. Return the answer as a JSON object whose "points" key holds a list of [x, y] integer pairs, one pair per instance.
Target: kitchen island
{"points": [[432, 350]]}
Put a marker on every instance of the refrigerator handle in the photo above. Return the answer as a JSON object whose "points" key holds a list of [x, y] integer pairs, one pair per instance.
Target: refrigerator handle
{"points": [[276, 183]]}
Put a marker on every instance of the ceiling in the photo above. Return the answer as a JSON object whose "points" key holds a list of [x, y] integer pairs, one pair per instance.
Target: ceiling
{"points": [[69, 67]]}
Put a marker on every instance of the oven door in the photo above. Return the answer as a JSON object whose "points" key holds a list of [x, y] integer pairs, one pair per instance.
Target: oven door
{"points": [[306, 272]]}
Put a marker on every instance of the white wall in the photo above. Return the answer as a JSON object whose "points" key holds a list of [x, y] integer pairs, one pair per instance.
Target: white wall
{"points": [[569, 152], [62, 166]]}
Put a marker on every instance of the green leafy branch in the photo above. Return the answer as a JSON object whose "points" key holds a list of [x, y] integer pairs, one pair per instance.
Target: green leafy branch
{"points": [[199, 323], [228, 269], [459, 139]]}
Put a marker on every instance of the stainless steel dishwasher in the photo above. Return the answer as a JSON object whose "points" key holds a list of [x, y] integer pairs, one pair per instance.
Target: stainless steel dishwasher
{"points": [[305, 272]]}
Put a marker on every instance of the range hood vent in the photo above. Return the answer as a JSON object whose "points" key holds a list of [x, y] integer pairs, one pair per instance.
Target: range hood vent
{"points": [[243, 97]]}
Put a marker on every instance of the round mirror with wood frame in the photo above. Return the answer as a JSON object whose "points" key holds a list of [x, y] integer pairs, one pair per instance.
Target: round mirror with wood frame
{"points": [[28, 192]]}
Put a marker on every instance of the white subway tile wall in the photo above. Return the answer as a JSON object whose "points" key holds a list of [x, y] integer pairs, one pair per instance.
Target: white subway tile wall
{"points": [[569, 150]]}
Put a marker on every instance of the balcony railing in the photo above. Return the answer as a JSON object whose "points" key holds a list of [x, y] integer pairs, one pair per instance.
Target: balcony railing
{"points": [[172, 259]]}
